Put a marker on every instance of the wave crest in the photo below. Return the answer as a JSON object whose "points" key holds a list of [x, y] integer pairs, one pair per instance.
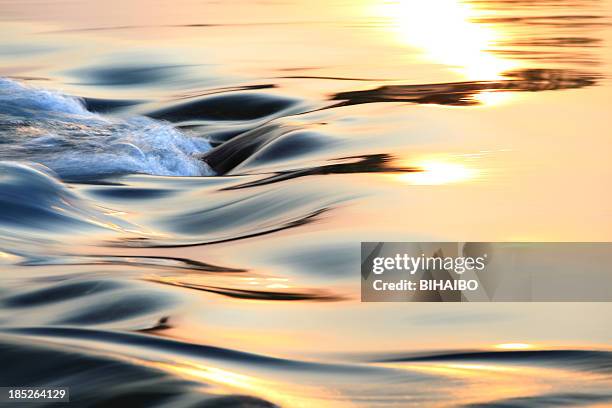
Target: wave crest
{"points": [[59, 132]]}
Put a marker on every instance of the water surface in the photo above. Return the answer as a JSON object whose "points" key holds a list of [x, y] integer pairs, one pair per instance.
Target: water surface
{"points": [[184, 186]]}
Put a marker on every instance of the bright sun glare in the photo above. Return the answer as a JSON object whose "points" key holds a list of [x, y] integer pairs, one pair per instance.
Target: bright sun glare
{"points": [[435, 172], [447, 34]]}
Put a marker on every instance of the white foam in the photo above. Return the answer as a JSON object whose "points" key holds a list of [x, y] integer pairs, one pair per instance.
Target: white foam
{"points": [[29, 98], [58, 131]]}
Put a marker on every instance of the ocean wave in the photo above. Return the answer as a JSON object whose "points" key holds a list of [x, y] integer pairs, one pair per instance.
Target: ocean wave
{"points": [[32, 198], [59, 132], [158, 347], [590, 360], [88, 302], [118, 367], [104, 380]]}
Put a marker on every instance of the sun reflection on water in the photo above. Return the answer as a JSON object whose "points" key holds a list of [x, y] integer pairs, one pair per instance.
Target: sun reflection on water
{"points": [[439, 172], [271, 390], [513, 346], [446, 33], [492, 98]]}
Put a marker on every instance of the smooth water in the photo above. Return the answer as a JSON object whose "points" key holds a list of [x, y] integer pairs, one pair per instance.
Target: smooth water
{"points": [[184, 186]]}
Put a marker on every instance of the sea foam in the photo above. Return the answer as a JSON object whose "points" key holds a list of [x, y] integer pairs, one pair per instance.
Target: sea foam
{"points": [[59, 132]]}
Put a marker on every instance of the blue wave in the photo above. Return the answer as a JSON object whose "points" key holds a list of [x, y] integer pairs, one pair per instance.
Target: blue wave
{"points": [[59, 132]]}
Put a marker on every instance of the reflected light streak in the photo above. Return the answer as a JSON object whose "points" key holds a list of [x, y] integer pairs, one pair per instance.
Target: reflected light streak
{"points": [[487, 382], [513, 346], [467, 370], [8, 258], [492, 98], [270, 390], [438, 172]]}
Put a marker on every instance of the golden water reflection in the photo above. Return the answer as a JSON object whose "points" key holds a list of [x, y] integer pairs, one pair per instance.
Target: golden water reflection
{"points": [[480, 382], [445, 31], [440, 171], [550, 189], [286, 394], [514, 346]]}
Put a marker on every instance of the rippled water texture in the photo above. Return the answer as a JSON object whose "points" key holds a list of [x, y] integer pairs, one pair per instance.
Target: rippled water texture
{"points": [[184, 186]]}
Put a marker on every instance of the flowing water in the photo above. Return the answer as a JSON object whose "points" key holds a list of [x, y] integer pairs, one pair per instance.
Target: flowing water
{"points": [[184, 185]]}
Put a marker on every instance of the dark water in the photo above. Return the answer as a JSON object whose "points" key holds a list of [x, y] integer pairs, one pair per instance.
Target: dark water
{"points": [[184, 186]]}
